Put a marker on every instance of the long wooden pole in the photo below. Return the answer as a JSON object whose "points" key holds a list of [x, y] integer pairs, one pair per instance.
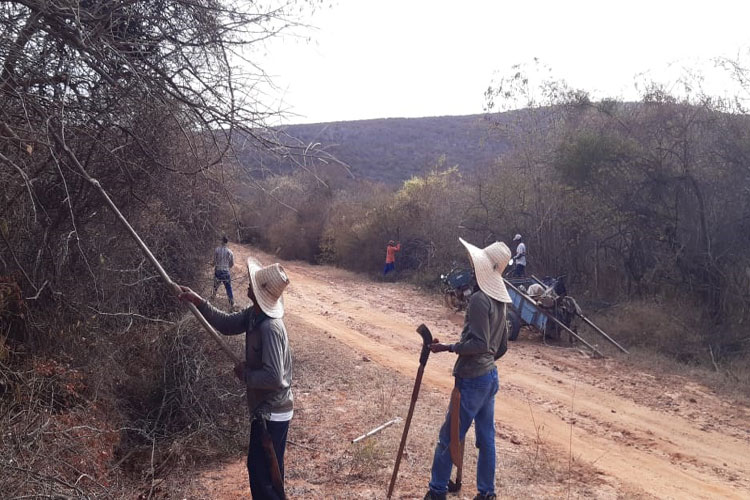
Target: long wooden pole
{"points": [[424, 354], [173, 286], [409, 415], [592, 325]]}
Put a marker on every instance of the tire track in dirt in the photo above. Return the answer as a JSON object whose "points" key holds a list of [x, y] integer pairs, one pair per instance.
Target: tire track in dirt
{"points": [[644, 447]]}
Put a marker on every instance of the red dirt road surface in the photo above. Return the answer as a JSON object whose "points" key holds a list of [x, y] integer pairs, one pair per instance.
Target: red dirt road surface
{"points": [[568, 425]]}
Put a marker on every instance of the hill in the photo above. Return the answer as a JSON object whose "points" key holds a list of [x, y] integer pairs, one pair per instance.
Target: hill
{"points": [[391, 150]]}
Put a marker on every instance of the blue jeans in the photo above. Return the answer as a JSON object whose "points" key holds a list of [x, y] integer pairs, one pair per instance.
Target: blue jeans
{"points": [[478, 405], [389, 266], [222, 276]]}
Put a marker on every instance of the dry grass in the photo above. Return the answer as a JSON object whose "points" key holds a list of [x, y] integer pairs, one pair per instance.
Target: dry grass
{"points": [[669, 338], [666, 328], [146, 404]]}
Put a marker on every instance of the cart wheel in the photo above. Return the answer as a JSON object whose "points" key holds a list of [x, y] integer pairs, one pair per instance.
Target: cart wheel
{"points": [[514, 324]]}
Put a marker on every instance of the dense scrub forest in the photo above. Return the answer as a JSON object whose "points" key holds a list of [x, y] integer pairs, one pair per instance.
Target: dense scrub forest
{"points": [[388, 150], [644, 205], [98, 384]]}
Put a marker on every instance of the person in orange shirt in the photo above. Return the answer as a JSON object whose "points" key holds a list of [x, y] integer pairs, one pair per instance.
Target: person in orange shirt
{"points": [[390, 256]]}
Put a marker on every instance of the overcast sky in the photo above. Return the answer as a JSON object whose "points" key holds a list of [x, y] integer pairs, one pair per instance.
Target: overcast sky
{"points": [[408, 58]]}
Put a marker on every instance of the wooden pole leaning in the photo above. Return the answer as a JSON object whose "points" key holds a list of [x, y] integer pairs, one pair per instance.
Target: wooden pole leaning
{"points": [[147, 252], [426, 335], [601, 332]]}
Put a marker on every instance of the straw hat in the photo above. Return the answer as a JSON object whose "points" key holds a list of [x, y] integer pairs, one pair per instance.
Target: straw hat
{"points": [[268, 283], [489, 264]]}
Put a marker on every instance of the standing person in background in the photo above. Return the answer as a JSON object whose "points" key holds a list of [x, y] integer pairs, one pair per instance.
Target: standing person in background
{"points": [[266, 371], [520, 259], [390, 256], [223, 263]]}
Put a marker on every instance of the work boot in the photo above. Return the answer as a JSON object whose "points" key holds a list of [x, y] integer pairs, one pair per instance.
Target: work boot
{"points": [[482, 496], [431, 495]]}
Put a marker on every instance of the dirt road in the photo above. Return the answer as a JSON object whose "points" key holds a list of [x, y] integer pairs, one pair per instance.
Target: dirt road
{"points": [[645, 434]]}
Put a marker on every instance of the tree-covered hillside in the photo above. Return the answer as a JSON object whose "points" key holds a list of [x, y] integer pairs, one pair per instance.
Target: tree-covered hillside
{"points": [[391, 150]]}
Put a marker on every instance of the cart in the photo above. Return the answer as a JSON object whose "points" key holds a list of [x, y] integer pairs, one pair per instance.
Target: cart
{"points": [[553, 313]]}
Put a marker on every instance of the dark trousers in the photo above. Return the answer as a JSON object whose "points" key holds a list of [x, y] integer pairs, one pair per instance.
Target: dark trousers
{"points": [[519, 271], [223, 276], [258, 468]]}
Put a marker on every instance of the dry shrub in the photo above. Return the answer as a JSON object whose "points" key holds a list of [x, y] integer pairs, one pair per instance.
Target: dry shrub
{"points": [[368, 457], [12, 312], [356, 233], [100, 393], [286, 214], [737, 373], [55, 442], [294, 236], [423, 214], [149, 401], [174, 402], [669, 328]]}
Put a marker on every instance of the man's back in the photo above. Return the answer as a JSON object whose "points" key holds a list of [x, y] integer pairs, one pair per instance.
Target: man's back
{"points": [[482, 339], [521, 252], [223, 258], [390, 253]]}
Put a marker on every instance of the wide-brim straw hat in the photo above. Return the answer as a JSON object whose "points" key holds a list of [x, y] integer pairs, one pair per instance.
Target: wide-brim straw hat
{"points": [[268, 284], [489, 264]]}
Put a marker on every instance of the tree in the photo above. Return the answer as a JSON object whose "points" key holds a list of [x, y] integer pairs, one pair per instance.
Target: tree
{"points": [[139, 94], [147, 97]]}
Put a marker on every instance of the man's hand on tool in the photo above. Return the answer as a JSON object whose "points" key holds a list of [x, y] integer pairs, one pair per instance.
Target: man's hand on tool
{"points": [[188, 295], [239, 371], [436, 346]]}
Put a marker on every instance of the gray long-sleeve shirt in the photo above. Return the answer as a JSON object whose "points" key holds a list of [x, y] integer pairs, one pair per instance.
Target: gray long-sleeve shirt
{"points": [[484, 337], [223, 258], [268, 357]]}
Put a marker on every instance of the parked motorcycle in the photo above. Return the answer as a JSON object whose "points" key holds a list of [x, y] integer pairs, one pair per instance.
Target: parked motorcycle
{"points": [[458, 285]]}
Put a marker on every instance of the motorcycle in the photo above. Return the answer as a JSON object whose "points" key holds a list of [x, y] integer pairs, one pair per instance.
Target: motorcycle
{"points": [[458, 285]]}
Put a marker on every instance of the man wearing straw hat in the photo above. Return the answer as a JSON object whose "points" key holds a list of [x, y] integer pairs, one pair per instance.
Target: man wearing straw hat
{"points": [[267, 372], [483, 340]]}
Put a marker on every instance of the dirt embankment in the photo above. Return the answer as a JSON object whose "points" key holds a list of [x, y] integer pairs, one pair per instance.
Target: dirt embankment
{"points": [[568, 425]]}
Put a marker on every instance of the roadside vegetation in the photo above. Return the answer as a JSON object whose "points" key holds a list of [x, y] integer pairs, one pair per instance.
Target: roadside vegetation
{"points": [[104, 387], [643, 205]]}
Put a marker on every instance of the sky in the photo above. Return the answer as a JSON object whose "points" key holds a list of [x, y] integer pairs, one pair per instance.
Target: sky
{"points": [[412, 58]]}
